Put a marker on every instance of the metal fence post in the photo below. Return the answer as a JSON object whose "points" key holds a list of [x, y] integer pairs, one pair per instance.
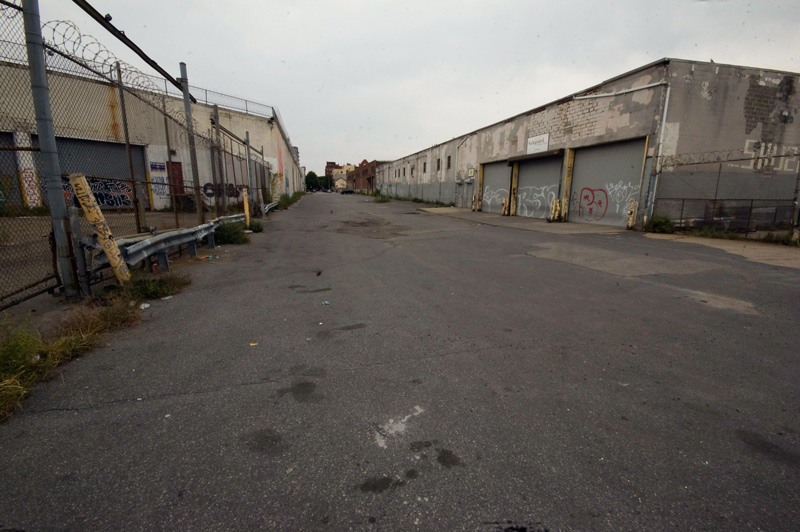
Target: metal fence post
{"points": [[51, 168], [187, 106], [251, 179], [170, 186], [138, 206], [220, 161]]}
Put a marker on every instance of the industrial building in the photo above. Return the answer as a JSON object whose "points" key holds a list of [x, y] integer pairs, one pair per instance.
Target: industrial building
{"points": [[699, 142]]}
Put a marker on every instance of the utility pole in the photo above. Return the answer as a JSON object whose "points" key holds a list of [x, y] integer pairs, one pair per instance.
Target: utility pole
{"points": [[51, 168], [187, 106]]}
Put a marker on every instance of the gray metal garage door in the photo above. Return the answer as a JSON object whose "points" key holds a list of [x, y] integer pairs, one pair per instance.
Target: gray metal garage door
{"points": [[496, 181], [605, 179], [537, 186]]}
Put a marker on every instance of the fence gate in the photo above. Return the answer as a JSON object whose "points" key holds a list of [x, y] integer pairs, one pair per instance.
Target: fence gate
{"points": [[605, 179]]}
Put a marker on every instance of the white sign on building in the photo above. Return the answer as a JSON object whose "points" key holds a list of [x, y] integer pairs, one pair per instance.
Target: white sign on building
{"points": [[538, 143]]}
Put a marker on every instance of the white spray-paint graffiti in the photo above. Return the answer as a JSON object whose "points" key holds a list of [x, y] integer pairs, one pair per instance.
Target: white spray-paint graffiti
{"points": [[620, 194], [497, 196], [536, 201]]}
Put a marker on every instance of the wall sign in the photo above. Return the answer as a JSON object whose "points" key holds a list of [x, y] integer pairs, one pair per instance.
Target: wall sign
{"points": [[538, 143]]}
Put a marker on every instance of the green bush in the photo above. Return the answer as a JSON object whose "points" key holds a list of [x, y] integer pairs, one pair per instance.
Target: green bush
{"points": [[713, 232], [230, 233], [256, 226], [661, 224], [144, 285]]}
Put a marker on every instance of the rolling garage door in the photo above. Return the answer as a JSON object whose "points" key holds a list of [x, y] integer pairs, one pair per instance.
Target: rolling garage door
{"points": [[496, 181], [537, 186], [605, 179]]}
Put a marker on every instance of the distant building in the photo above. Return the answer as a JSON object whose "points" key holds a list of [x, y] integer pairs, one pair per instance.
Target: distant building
{"points": [[362, 177], [330, 166]]}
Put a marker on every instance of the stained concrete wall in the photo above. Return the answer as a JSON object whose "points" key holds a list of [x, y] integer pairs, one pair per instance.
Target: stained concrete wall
{"points": [[89, 109], [569, 122], [742, 116], [745, 116]]}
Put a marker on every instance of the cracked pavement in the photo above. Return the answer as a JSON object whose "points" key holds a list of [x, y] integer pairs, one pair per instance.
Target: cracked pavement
{"points": [[462, 377]]}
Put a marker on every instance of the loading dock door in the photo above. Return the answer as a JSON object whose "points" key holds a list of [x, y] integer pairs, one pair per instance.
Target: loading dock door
{"points": [[496, 182], [605, 179], [538, 186]]}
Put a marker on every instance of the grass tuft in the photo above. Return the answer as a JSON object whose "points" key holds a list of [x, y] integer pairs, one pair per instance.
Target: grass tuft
{"points": [[256, 226], [26, 358], [661, 224], [230, 233]]}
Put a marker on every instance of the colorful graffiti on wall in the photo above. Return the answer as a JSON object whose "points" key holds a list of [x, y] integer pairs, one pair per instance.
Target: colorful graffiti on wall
{"points": [[159, 179], [109, 194], [231, 190]]}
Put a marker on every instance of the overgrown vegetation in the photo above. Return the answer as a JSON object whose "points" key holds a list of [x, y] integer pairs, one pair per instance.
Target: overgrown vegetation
{"points": [[27, 358], [780, 238], [230, 233], [256, 226], [285, 201], [661, 224], [713, 232]]}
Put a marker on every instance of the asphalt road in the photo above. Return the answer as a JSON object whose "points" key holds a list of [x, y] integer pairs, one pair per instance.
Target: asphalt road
{"points": [[461, 377]]}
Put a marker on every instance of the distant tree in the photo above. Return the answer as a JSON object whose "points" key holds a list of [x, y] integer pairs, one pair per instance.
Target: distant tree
{"points": [[327, 181], [312, 180]]}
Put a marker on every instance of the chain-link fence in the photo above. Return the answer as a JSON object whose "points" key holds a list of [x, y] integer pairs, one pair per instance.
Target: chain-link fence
{"points": [[26, 233], [740, 191], [128, 133]]}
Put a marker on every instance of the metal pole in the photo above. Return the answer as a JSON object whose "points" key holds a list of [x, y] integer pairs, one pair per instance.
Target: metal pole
{"points": [[169, 162], [220, 154], [796, 208], [51, 168], [716, 192], [80, 254], [138, 206], [255, 207], [187, 106]]}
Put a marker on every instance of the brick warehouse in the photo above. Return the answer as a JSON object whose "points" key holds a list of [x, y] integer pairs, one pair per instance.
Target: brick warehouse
{"points": [[702, 143]]}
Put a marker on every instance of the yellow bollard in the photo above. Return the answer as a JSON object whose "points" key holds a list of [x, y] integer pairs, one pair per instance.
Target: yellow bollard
{"points": [[93, 213], [246, 210]]}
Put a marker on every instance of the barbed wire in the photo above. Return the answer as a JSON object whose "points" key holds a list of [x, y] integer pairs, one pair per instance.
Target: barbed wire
{"points": [[723, 156]]}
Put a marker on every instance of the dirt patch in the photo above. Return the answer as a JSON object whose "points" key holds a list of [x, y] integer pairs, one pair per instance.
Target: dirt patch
{"points": [[772, 254], [372, 227]]}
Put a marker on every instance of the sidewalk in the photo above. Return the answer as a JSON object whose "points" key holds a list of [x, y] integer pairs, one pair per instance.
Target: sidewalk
{"points": [[772, 254], [524, 223]]}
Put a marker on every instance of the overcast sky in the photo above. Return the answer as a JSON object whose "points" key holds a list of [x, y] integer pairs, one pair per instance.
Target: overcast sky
{"points": [[368, 79]]}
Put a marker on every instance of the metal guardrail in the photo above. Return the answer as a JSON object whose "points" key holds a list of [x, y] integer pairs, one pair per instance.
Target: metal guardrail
{"points": [[269, 207], [135, 250]]}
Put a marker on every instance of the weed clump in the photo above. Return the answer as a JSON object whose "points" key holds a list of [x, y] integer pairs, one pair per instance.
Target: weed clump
{"points": [[148, 286], [285, 201], [256, 226], [661, 224], [26, 358], [230, 233]]}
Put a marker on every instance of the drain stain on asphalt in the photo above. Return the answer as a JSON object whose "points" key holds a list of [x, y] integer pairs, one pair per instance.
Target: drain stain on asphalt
{"points": [[448, 458], [767, 448], [302, 392], [265, 441], [352, 327], [376, 484]]}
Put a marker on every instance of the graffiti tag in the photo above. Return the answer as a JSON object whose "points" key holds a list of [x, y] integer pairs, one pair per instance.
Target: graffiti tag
{"points": [[592, 204], [536, 201]]}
